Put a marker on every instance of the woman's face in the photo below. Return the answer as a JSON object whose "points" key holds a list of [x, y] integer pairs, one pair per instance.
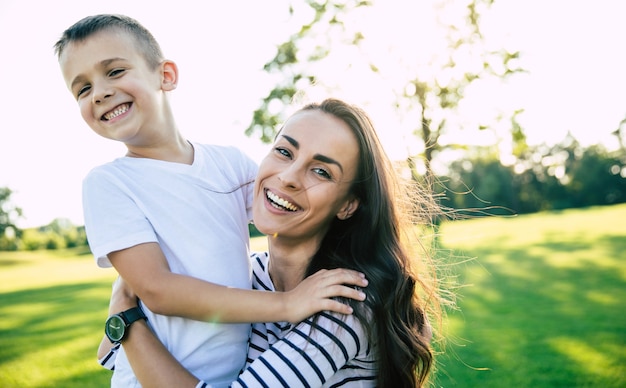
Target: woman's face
{"points": [[304, 182]]}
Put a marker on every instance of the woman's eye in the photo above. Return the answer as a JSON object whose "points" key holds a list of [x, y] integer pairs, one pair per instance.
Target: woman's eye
{"points": [[283, 152], [323, 173]]}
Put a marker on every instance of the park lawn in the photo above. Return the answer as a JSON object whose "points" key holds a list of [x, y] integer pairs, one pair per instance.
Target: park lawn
{"points": [[542, 306], [53, 308], [543, 302]]}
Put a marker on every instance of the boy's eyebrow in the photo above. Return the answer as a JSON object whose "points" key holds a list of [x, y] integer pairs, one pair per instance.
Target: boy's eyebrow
{"points": [[320, 157], [103, 63]]}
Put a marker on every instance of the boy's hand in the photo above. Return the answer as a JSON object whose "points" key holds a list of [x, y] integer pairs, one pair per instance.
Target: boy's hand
{"points": [[122, 297], [315, 293]]}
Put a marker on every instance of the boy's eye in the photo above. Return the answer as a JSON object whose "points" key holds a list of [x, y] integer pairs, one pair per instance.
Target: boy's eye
{"points": [[115, 72], [83, 90]]}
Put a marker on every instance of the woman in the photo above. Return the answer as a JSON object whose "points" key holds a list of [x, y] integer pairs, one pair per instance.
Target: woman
{"points": [[327, 197]]}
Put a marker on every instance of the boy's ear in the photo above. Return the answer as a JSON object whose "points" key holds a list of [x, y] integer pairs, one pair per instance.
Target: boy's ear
{"points": [[348, 209], [169, 75]]}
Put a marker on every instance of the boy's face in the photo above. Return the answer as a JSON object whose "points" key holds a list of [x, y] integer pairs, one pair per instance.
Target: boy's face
{"points": [[117, 93]]}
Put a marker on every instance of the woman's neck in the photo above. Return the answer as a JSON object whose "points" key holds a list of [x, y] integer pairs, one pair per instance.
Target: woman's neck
{"points": [[289, 261]]}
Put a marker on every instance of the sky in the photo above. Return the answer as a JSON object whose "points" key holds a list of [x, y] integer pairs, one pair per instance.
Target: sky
{"points": [[572, 49]]}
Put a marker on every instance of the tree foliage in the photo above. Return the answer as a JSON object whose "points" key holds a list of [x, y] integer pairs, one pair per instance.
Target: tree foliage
{"points": [[9, 214], [60, 233], [561, 176], [292, 63], [433, 83], [437, 93]]}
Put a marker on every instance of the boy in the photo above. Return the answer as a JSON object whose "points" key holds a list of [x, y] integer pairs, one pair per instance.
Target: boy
{"points": [[171, 209]]}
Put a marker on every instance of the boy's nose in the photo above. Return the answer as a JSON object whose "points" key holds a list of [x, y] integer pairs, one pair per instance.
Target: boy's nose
{"points": [[101, 94], [100, 99]]}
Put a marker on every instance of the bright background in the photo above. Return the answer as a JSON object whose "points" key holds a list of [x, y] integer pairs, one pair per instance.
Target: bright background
{"points": [[572, 49]]}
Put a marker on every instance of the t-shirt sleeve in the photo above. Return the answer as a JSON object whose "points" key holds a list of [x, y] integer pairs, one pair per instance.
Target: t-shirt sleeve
{"points": [[247, 175], [113, 219], [308, 355], [250, 172]]}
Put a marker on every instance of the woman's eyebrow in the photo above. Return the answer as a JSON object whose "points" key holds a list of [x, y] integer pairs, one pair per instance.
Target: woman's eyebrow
{"points": [[320, 157], [292, 141], [326, 159]]}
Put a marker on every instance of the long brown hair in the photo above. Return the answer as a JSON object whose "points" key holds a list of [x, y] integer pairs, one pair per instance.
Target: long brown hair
{"points": [[372, 241]]}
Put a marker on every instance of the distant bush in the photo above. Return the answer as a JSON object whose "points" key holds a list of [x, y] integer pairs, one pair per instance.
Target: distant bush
{"points": [[8, 244], [59, 234], [554, 178]]}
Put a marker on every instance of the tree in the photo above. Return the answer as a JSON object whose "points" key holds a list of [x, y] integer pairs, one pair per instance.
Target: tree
{"points": [[432, 83], [61, 233], [9, 213], [620, 134], [437, 93], [597, 178], [291, 63]]}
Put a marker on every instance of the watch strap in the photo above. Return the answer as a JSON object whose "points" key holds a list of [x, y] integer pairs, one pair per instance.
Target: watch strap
{"points": [[133, 314]]}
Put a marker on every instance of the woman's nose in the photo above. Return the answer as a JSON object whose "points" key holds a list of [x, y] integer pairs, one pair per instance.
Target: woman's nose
{"points": [[289, 177]]}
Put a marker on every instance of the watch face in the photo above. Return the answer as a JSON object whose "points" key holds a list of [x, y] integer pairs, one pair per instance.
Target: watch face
{"points": [[115, 328]]}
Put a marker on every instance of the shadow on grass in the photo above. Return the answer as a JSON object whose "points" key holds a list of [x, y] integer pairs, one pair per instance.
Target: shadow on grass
{"points": [[54, 327], [9, 262], [547, 315], [93, 379]]}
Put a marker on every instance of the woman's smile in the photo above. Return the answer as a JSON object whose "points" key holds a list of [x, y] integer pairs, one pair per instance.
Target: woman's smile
{"points": [[280, 203]]}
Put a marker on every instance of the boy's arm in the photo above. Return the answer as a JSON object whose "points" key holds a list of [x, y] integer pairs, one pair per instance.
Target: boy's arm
{"points": [[152, 363], [145, 269], [160, 369]]}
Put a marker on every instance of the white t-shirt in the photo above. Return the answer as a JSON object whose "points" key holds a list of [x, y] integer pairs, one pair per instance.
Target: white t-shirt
{"points": [[199, 215]]}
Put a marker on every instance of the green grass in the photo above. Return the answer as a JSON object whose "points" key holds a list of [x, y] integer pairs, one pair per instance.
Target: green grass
{"points": [[543, 306], [544, 301], [52, 311]]}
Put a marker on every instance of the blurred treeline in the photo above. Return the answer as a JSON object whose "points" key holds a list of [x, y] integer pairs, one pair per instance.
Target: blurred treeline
{"points": [[562, 176], [58, 234]]}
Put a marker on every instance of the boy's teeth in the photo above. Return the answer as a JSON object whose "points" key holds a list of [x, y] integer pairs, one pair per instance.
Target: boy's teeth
{"points": [[281, 202], [118, 111]]}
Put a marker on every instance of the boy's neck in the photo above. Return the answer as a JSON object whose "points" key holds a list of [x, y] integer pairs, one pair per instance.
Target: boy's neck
{"points": [[180, 151]]}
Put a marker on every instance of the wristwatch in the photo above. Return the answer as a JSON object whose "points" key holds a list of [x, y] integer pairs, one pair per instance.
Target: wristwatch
{"points": [[116, 326]]}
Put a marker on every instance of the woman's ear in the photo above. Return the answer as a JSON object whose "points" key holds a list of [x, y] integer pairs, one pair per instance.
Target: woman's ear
{"points": [[169, 75], [348, 209]]}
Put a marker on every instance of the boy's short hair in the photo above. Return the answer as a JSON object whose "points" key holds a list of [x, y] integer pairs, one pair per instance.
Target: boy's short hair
{"points": [[90, 25]]}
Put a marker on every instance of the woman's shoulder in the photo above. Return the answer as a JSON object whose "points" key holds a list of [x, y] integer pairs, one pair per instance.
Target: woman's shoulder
{"points": [[260, 259], [261, 279]]}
